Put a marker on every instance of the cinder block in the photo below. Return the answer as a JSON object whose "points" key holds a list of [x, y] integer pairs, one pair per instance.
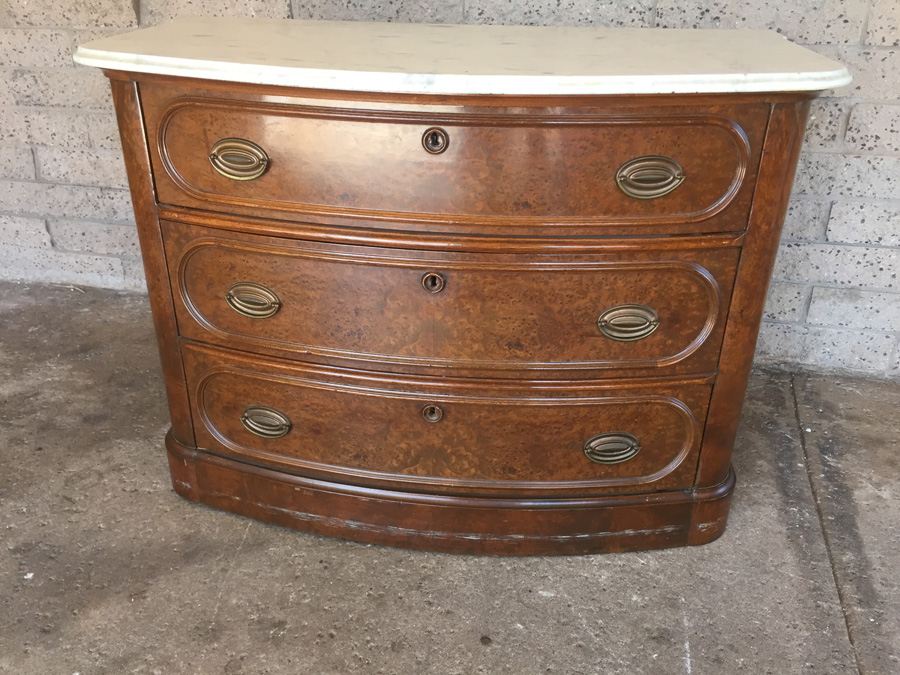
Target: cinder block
{"points": [[884, 23], [56, 126], [35, 48], [23, 232], [865, 223], [80, 13], [876, 72], [836, 176], [69, 87], [101, 168], [16, 162], [156, 11], [785, 343], [66, 201], [851, 308], [805, 219], [874, 128], [406, 11], [786, 302], [30, 264], [566, 13], [807, 21], [103, 130], [836, 265], [13, 127], [824, 130], [5, 89], [90, 237]]}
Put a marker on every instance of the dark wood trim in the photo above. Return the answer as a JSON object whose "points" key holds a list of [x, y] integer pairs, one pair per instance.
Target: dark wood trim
{"points": [[784, 138], [357, 233], [452, 524], [548, 519], [126, 98]]}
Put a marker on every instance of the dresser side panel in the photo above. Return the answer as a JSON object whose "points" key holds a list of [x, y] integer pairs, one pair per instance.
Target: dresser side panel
{"points": [[781, 150], [126, 98]]}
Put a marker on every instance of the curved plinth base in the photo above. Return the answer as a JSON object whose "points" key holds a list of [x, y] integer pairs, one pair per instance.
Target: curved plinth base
{"points": [[454, 524]]}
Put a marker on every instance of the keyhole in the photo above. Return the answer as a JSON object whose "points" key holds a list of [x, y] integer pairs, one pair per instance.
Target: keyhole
{"points": [[435, 140], [433, 282], [432, 413]]}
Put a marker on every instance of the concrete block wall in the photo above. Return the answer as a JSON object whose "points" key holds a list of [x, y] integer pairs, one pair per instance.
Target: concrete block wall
{"points": [[65, 214]]}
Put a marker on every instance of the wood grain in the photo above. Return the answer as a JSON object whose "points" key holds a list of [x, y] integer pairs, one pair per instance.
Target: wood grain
{"points": [[522, 219], [534, 312], [507, 168]]}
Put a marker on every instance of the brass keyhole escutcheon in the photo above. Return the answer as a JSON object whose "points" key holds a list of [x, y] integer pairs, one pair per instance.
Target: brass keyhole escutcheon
{"points": [[432, 413], [433, 282], [435, 140]]}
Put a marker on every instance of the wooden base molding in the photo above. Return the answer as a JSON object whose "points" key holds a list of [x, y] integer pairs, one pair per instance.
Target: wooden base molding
{"points": [[452, 524]]}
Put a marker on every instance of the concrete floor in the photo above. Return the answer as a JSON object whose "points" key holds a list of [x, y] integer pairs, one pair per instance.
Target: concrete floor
{"points": [[103, 569]]}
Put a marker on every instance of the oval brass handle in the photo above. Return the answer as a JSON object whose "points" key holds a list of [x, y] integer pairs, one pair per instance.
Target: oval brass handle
{"points": [[252, 300], [627, 323], [649, 177], [265, 422], [238, 159], [433, 282], [612, 448], [432, 413], [435, 140]]}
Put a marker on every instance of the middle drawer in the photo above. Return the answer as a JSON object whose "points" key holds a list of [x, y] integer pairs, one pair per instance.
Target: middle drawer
{"points": [[635, 310]]}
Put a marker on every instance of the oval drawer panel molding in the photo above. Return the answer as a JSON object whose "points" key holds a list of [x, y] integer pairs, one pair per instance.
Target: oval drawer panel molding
{"points": [[479, 311], [401, 431], [472, 171]]}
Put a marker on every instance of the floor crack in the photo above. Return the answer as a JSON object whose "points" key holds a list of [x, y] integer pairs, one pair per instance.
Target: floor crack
{"points": [[237, 551], [821, 516]]}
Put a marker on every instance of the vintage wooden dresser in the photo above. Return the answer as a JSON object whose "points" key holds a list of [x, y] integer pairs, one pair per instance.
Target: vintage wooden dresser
{"points": [[477, 289]]}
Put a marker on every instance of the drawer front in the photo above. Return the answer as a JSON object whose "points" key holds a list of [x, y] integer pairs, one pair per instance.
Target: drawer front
{"points": [[646, 309], [454, 436], [665, 169]]}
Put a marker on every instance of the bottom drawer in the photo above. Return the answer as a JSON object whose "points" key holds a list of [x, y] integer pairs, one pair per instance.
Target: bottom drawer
{"points": [[443, 435]]}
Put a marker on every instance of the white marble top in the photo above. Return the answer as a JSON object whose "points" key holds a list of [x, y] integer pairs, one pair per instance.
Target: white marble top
{"points": [[448, 59]]}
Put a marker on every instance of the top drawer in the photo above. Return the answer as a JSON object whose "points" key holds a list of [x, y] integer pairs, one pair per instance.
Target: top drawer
{"points": [[614, 169]]}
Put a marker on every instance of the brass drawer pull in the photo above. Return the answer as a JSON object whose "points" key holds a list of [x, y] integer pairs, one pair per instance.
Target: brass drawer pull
{"points": [[435, 140], [432, 413], [612, 448], [252, 300], [627, 323], [238, 159], [649, 177], [265, 422], [433, 282]]}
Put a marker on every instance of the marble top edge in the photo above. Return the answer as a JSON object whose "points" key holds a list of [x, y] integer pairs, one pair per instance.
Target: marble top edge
{"points": [[468, 59]]}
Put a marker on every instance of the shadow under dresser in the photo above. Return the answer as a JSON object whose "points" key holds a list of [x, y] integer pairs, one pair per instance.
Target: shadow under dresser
{"points": [[474, 289]]}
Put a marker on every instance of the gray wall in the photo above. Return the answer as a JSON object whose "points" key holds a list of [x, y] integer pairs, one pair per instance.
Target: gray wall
{"points": [[65, 215]]}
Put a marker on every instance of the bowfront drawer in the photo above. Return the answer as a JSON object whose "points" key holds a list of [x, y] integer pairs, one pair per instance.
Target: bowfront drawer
{"points": [[670, 169], [644, 309], [458, 436]]}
